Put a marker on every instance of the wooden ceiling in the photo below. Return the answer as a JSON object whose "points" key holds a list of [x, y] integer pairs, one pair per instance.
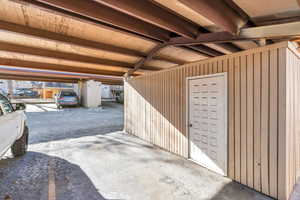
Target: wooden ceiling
{"points": [[113, 37]]}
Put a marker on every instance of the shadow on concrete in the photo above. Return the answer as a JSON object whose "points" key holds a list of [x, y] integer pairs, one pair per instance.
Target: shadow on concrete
{"points": [[296, 192], [72, 134], [26, 178], [130, 147], [236, 191]]}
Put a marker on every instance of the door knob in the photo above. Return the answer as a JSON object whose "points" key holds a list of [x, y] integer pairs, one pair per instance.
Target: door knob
{"points": [[190, 125]]}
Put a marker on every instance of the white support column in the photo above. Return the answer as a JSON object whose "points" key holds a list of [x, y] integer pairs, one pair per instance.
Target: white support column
{"points": [[90, 94]]}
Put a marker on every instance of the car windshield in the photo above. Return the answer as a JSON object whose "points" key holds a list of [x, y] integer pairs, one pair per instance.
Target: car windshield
{"points": [[68, 94], [6, 104], [3, 99]]}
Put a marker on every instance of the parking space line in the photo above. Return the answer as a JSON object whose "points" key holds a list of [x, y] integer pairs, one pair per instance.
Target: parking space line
{"points": [[51, 180]]}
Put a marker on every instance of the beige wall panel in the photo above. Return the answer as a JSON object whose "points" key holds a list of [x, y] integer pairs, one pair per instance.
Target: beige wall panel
{"points": [[292, 117], [168, 118], [265, 122], [220, 66], [263, 131], [273, 130], [237, 118], [231, 119], [250, 121], [289, 119], [243, 84], [257, 124], [282, 145]]}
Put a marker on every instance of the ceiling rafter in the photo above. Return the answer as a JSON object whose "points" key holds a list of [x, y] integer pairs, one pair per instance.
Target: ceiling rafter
{"points": [[46, 78], [154, 51], [241, 13], [206, 50], [54, 74], [34, 78], [70, 5], [40, 74], [202, 49], [69, 40], [104, 14], [153, 14], [51, 36], [277, 31], [81, 18], [219, 13], [25, 50], [56, 67], [111, 16]]}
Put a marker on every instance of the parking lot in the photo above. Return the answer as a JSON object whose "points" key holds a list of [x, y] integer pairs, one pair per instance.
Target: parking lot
{"points": [[78, 153]]}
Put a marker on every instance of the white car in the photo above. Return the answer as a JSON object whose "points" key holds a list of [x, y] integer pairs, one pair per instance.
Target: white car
{"points": [[13, 129]]}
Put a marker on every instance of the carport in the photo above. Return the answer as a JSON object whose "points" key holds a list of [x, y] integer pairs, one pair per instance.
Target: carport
{"points": [[169, 53]]}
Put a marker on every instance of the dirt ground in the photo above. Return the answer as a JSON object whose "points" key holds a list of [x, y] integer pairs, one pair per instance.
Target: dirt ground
{"points": [[82, 154]]}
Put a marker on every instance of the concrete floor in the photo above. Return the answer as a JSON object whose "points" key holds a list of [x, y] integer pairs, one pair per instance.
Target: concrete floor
{"points": [[47, 123], [97, 165]]}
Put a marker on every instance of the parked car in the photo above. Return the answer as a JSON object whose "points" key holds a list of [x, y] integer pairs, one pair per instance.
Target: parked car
{"points": [[3, 93], [13, 129], [26, 93], [66, 98]]}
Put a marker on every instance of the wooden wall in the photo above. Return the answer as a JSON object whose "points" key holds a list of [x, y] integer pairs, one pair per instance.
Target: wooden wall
{"points": [[293, 117], [155, 110]]}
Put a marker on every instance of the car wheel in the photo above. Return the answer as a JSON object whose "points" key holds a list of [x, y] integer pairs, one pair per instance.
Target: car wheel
{"points": [[20, 146], [59, 107]]}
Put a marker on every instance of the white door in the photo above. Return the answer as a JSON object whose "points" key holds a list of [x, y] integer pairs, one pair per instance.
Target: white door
{"points": [[208, 121]]}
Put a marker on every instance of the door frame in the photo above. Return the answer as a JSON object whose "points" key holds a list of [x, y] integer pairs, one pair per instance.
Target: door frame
{"points": [[225, 75]]}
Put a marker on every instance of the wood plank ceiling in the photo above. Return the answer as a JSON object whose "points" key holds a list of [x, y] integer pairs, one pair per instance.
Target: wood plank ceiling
{"points": [[112, 37]]}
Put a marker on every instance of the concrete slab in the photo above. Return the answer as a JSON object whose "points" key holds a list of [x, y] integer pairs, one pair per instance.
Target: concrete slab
{"points": [[113, 166], [47, 123]]}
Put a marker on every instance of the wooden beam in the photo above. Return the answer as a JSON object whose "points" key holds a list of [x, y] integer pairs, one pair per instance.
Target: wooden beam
{"points": [[27, 78], [85, 20], [56, 67], [279, 18], [54, 37], [14, 48], [153, 14], [209, 52], [54, 74], [286, 30], [47, 79], [217, 37], [139, 64], [235, 7], [218, 12], [95, 11], [278, 31], [69, 40], [45, 74]]}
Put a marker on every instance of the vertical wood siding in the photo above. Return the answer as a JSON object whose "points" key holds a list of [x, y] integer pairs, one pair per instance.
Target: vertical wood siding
{"points": [[292, 118], [261, 110]]}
